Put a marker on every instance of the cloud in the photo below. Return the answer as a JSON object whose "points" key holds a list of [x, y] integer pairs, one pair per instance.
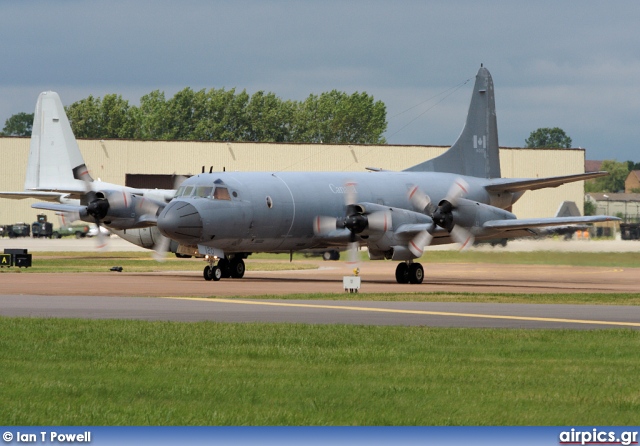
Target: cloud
{"points": [[556, 62]]}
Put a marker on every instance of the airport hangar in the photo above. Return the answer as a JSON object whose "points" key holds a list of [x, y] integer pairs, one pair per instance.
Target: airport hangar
{"points": [[152, 164]]}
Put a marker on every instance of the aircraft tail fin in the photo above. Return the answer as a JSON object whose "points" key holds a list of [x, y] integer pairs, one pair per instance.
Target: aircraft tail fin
{"points": [[475, 153], [55, 162], [568, 209]]}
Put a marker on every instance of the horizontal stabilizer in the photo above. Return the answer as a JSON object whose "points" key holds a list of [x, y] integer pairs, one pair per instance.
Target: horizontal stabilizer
{"points": [[541, 222], [521, 185]]}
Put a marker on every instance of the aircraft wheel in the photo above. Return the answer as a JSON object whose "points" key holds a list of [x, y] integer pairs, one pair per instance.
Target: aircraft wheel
{"points": [[416, 273], [237, 268], [402, 273], [326, 255], [216, 273], [207, 273], [225, 266]]}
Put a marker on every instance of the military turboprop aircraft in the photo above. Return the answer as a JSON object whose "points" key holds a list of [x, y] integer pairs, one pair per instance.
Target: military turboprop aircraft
{"points": [[456, 197], [56, 172]]}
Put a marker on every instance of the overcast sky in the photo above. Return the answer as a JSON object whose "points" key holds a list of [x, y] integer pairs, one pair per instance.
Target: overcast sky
{"points": [[568, 64]]}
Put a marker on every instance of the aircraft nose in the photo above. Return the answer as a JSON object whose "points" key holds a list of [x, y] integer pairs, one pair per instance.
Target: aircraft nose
{"points": [[180, 221]]}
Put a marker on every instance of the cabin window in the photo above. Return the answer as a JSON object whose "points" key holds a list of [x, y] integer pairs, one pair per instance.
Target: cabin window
{"points": [[221, 193]]}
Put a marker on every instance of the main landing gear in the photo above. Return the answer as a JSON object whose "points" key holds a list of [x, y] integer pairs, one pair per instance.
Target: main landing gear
{"points": [[409, 272], [225, 268]]}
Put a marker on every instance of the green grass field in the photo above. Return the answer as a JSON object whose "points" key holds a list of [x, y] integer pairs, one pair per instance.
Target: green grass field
{"points": [[117, 372], [71, 372], [144, 262]]}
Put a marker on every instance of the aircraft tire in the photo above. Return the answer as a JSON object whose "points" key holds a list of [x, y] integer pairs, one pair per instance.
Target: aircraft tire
{"points": [[225, 266], [237, 268], [216, 273], [416, 273], [207, 273], [402, 273]]}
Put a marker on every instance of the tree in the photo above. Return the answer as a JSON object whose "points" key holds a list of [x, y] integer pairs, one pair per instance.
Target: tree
{"points": [[589, 208], [221, 115], [101, 118], [613, 182], [18, 125], [335, 117], [548, 138], [633, 166]]}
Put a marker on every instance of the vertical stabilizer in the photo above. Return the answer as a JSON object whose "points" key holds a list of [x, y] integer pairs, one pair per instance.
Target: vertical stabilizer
{"points": [[475, 153], [55, 162]]}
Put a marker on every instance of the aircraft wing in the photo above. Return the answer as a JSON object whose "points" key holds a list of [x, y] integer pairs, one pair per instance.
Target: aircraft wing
{"points": [[47, 196], [413, 229], [521, 185], [526, 223], [58, 207]]}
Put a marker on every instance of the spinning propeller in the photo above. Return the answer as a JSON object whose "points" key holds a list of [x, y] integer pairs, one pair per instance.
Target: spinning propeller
{"points": [[442, 214], [356, 220]]}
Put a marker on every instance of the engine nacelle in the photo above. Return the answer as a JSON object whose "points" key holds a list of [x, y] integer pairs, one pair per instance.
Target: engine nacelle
{"points": [[121, 209], [470, 213]]}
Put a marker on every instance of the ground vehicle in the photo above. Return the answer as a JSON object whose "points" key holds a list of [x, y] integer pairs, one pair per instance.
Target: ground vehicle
{"points": [[79, 231], [18, 230], [41, 228]]}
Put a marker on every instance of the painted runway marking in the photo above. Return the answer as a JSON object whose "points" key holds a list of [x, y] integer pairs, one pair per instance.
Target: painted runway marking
{"points": [[419, 312]]}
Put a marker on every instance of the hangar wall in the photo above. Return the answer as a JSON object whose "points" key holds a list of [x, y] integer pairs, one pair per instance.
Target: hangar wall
{"points": [[111, 160]]}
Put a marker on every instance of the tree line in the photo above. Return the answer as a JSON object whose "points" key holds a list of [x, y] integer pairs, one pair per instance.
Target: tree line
{"points": [[225, 115]]}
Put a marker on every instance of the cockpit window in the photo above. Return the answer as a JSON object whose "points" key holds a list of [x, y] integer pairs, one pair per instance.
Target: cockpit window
{"points": [[221, 193], [179, 191], [203, 191], [187, 191]]}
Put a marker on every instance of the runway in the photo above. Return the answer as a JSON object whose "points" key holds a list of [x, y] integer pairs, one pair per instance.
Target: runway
{"points": [[185, 296], [433, 314]]}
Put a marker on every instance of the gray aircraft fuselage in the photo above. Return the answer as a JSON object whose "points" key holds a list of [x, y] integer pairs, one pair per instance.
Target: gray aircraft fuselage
{"points": [[275, 212]]}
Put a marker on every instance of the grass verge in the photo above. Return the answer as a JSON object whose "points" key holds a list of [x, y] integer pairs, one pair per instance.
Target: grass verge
{"points": [[76, 262], [115, 372]]}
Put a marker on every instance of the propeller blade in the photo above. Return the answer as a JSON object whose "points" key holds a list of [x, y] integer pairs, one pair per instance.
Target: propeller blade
{"points": [[463, 237], [418, 243], [66, 218], [379, 221], [102, 242], [350, 194], [178, 180], [323, 225], [353, 257], [146, 207], [418, 198], [161, 248], [458, 189]]}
